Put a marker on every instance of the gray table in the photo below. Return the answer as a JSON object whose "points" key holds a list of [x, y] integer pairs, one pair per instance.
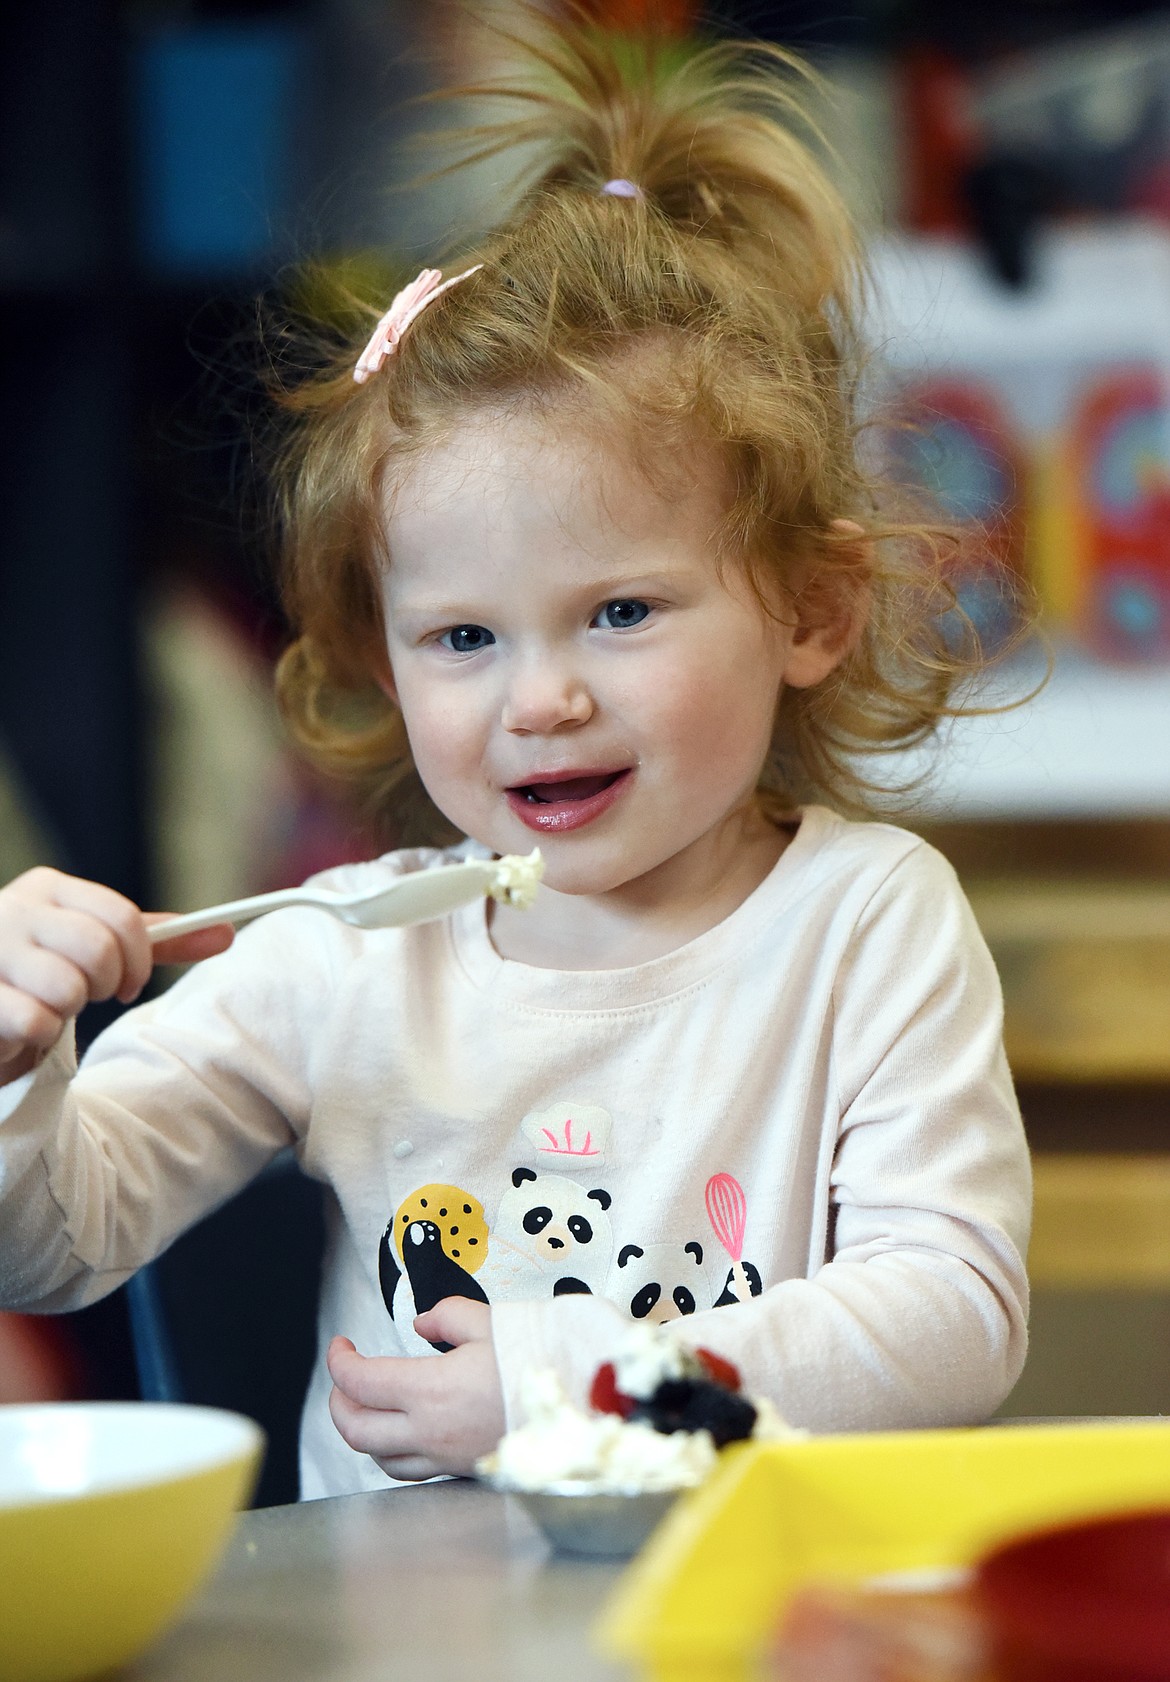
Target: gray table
{"points": [[444, 1582]]}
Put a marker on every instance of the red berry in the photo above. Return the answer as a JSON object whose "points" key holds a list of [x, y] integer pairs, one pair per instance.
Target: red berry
{"points": [[604, 1394], [718, 1370]]}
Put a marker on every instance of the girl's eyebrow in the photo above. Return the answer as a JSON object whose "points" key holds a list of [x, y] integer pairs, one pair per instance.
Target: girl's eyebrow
{"points": [[435, 610], [630, 579], [626, 581]]}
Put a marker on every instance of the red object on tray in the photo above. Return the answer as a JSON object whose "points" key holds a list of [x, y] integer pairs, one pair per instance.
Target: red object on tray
{"points": [[841, 1634], [1085, 1603]]}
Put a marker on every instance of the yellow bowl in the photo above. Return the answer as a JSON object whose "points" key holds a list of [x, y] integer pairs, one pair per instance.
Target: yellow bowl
{"points": [[111, 1515], [702, 1601]]}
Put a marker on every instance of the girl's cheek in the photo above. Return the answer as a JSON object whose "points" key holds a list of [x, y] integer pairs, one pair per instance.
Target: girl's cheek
{"points": [[444, 736]]}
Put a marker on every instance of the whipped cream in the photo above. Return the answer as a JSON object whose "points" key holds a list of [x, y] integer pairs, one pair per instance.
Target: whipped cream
{"points": [[646, 1358], [517, 877], [566, 1451]]}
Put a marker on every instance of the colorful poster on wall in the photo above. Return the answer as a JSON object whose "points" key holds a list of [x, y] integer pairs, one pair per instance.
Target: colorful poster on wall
{"points": [[1041, 419]]}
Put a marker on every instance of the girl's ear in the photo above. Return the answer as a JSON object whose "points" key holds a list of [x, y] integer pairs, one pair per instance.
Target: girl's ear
{"points": [[818, 649], [383, 676]]}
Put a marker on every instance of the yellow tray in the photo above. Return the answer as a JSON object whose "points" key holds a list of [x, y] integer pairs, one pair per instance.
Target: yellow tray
{"points": [[701, 1601]]}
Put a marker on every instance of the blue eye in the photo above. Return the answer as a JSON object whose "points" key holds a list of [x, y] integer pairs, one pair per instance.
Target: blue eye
{"points": [[620, 615], [466, 639]]}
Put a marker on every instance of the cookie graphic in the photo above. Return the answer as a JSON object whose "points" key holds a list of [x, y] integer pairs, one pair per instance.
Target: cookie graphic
{"points": [[439, 1235], [432, 1273], [458, 1216]]}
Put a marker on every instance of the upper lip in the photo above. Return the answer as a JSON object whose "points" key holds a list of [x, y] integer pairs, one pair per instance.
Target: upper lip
{"points": [[572, 774]]}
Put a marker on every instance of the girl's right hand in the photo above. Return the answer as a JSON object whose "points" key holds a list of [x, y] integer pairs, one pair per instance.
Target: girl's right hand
{"points": [[65, 942]]}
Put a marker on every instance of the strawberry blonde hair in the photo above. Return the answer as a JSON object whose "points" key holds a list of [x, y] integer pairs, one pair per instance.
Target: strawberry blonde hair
{"points": [[720, 308]]}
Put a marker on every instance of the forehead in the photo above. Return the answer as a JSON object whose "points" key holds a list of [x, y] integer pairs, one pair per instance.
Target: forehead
{"points": [[502, 476]]}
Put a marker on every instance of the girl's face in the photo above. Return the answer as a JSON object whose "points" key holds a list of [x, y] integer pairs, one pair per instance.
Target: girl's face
{"points": [[572, 670]]}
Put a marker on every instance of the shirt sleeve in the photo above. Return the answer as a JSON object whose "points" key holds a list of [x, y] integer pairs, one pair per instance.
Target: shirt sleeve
{"points": [[918, 1315], [175, 1107]]}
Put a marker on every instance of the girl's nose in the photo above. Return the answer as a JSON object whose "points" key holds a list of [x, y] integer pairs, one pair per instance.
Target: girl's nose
{"points": [[545, 696]]}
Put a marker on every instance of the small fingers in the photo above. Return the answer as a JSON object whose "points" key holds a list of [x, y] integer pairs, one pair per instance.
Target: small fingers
{"points": [[376, 1431], [99, 930], [388, 1434], [455, 1320], [337, 1359], [124, 943], [126, 924], [373, 1381], [190, 948], [418, 1416], [49, 980], [390, 1439], [409, 1468], [89, 946], [25, 1024], [63, 943]]}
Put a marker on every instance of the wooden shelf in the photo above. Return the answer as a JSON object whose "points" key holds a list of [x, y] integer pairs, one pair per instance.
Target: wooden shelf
{"points": [[1101, 1222], [1085, 968]]}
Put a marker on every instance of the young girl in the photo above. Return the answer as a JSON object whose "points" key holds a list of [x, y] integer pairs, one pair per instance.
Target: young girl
{"points": [[581, 539]]}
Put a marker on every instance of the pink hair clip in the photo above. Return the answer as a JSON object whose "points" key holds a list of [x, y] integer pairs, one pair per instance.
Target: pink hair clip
{"points": [[408, 304], [623, 189]]}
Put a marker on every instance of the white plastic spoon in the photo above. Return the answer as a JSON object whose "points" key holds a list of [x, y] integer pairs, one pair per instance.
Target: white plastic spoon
{"points": [[421, 896]]}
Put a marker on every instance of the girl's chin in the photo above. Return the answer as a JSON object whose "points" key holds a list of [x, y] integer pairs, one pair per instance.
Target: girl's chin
{"points": [[580, 877]]}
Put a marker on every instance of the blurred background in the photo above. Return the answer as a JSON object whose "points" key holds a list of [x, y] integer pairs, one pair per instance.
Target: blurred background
{"points": [[165, 163]]}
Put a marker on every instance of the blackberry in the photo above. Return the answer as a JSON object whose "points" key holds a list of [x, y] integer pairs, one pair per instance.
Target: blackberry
{"points": [[695, 1404]]}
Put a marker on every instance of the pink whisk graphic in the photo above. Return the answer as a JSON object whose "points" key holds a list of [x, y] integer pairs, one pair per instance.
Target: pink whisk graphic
{"points": [[727, 1212]]}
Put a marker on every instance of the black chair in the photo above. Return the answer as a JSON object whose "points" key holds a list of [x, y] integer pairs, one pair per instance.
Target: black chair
{"points": [[227, 1316]]}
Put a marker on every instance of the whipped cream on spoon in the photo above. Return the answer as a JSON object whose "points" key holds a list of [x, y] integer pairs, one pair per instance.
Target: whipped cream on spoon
{"points": [[421, 896]]}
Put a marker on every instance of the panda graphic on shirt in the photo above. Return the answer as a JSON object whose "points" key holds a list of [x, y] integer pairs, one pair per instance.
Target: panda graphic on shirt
{"points": [[552, 1236], [659, 1282]]}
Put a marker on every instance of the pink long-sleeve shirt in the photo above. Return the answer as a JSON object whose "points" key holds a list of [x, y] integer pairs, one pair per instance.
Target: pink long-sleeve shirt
{"points": [[548, 1140]]}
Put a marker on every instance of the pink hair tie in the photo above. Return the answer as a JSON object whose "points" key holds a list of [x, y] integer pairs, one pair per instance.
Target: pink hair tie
{"points": [[623, 189], [407, 305]]}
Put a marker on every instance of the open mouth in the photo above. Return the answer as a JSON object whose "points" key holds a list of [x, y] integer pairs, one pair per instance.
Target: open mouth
{"points": [[555, 804], [570, 788]]}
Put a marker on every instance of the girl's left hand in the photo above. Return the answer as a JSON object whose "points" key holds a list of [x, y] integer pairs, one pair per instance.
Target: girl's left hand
{"points": [[416, 1417]]}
